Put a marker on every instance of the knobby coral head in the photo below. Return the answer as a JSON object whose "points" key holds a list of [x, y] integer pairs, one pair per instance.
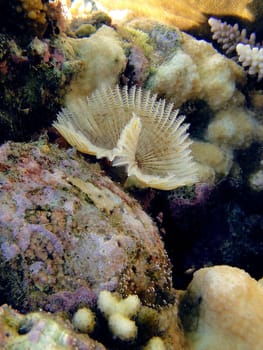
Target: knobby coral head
{"points": [[134, 129]]}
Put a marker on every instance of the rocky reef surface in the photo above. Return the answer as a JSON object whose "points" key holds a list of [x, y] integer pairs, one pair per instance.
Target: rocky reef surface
{"points": [[65, 226], [89, 263], [68, 233]]}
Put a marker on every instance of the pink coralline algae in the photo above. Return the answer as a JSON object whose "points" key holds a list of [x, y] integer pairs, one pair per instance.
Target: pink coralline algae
{"points": [[67, 232], [185, 199], [137, 68], [69, 301]]}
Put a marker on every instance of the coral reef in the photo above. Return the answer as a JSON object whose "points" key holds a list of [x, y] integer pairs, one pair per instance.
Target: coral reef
{"points": [[67, 228], [219, 82], [66, 301], [148, 44], [137, 68], [73, 243], [127, 321], [212, 161], [222, 309], [145, 53], [32, 72], [35, 10], [130, 322], [132, 128], [155, 343], [36, 72], [167, 79], [87, 329]]}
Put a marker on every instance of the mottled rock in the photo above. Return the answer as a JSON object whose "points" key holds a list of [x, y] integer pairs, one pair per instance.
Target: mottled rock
{"points": [[68, 232]]}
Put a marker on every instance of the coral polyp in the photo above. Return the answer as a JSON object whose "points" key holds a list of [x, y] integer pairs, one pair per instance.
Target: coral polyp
{"points": [[132, 128]]}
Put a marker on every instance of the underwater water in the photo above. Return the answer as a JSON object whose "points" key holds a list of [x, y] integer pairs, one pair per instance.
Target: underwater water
{"points": [[131, 174]]}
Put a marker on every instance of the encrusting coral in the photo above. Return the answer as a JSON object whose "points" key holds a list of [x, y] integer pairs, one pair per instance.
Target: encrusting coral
{"points": [[132, 128], [30, 18], [35, 10]]}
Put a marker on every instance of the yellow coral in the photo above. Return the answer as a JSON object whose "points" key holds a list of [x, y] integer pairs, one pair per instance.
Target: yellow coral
{"points": [[211, 160], [119, 313], [84, 320], [226, 310], [102, 58], [183, 14], [35, 10], [132, 128]]}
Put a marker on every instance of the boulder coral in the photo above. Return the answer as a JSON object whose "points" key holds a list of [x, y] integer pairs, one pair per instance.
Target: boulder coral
{"points": [[212, 161], [222, 309], [103, 60], [234, 128], [197, 71]]}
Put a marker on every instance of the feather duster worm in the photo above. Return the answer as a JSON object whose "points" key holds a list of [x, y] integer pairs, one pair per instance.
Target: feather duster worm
{"points": [[134, 129]]}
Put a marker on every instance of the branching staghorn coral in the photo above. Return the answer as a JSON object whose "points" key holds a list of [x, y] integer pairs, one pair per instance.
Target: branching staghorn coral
{"points": [[134, 129], [229, 36], [232, 40], [251, 58]]}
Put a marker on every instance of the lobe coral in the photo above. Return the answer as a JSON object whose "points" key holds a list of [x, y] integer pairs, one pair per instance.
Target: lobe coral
{"points": [[132, 129]]}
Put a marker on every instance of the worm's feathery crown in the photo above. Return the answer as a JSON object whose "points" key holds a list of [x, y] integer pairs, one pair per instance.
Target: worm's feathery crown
{"points": [[132, 128]]}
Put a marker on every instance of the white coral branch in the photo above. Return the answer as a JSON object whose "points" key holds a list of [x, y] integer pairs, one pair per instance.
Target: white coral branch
{"points": [[252, 58], [250, 53]]}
